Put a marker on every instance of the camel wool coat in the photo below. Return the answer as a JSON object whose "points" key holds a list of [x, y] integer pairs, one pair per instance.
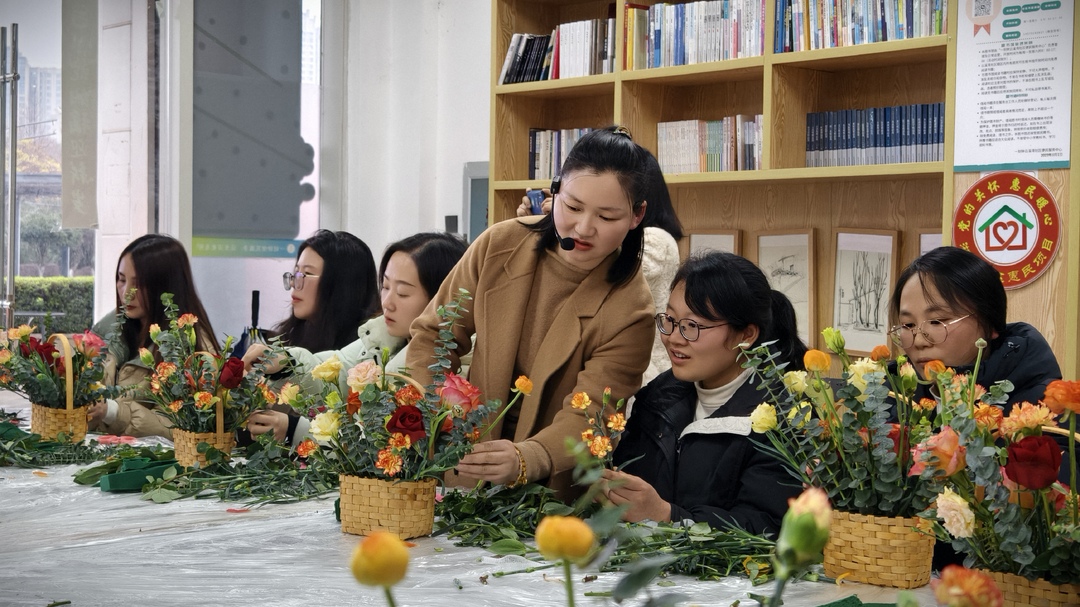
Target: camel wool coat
{"points": [[602, 337]]}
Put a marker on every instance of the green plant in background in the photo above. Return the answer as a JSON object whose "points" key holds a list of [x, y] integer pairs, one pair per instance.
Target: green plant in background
{"points": [[71, 301]]}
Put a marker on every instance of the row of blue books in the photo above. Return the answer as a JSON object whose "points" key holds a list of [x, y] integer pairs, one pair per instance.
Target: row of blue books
{"points": [[881, 135]]}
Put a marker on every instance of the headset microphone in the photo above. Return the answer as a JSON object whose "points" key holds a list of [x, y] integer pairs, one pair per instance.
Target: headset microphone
{"points": [[566, 244]]}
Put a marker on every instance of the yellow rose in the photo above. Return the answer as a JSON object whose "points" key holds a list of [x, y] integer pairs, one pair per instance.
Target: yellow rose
{"points": [[564, 537], [380, 559], [800, 414], [328, 370], [325, 427], [763, 418], [288, 393], [857, 372], [795, 381]]}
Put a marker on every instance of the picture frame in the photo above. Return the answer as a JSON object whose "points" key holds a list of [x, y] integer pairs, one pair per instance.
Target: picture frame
{"points": [[930, 240], [787, 259], [865, 266], [729, 241]]}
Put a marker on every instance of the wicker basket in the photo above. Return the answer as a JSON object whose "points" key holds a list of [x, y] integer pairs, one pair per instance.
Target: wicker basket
{"points": [[879, 550], [1020, 591], [49, 422], [186, 445], [405, 508]]}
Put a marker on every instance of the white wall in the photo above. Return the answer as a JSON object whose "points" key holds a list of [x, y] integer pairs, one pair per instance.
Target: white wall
{"points": [[417, 111]]}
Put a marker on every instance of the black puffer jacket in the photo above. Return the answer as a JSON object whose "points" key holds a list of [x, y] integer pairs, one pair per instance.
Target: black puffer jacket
{"points": [[708, 470]]}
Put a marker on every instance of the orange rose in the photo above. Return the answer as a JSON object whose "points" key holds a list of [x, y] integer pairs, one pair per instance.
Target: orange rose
{"points": [[880, 353], [564, 537], [932, 368], [816, 361], [524, 385], [1062, 395], [949, 456]]}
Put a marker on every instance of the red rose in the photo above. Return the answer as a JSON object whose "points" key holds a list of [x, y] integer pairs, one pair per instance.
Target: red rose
{"points": [[232, 373], [46, 350], [407, 420], [457, 391], [1033, 462]]}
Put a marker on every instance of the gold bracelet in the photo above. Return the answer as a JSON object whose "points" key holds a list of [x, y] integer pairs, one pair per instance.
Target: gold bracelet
{"points": [[522, 476]]}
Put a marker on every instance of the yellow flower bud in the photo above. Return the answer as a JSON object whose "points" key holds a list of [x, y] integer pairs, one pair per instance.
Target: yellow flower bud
{"points": [[146, 357], [524, 385], [564, 537], [834, 341], [333, 399], [155, 330], [380, 559]]}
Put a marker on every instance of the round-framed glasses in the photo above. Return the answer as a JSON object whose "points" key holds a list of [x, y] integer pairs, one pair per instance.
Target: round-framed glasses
{"points": [[934, 331], [689, 329], [295, 280]]}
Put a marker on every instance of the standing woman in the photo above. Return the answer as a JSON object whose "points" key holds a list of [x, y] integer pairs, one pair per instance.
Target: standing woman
{"points": [[687, 452], [334, 291], [560, 299], [151, 265]]}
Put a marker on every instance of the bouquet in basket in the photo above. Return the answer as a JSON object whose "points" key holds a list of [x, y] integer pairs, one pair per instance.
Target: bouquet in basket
{"points": [[38, 370], [1007, 511], [390, 427], [846, 440], [192, 388]]}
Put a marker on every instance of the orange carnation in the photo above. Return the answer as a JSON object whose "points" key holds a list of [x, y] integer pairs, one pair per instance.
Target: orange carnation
{"points": [[988, 417], [580, 401], [306, 448], [617, 422], [389, 462], [600, 446]]}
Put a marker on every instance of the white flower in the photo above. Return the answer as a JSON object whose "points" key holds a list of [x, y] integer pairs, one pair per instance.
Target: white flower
{"points": [[955, 514]]}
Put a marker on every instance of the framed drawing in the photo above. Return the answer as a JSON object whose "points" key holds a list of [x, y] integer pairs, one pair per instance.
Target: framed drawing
{"points": [[929, 241], [865, 270], [787, 258], [716, 240]]}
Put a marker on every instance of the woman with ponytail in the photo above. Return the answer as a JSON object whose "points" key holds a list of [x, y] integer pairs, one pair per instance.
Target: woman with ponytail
{"points": [[688, 452]]}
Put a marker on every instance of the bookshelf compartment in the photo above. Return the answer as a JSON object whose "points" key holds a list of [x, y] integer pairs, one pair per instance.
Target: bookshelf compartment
{"points": [[516, 114], [798, 91]]}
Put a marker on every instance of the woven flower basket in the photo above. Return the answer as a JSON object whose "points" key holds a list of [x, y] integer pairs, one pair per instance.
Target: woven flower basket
{"points": [[186, 445], [50, 422], [1020, 591], [406, 509], [878, 550]]}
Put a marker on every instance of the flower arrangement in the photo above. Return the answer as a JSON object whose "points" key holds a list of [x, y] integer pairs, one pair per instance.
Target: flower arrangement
{"points": [[843, 441], [388, 426], [1007, 511], [36, 369], [188, 385]]}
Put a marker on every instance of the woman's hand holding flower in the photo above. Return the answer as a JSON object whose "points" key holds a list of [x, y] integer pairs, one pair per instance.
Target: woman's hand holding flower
{"points": [[493, 461]]}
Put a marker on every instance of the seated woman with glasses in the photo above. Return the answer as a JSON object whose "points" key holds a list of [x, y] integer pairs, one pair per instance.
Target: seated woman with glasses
{"points": [[687, 451], [334, 291], [946, 300], [410, 273]]}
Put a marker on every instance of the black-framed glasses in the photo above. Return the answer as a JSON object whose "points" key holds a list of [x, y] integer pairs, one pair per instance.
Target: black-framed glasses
{"points": [[295, 280], [689, 329], [934, 331]]}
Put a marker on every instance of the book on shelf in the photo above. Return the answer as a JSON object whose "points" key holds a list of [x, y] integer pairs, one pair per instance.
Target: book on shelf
{"points": [[548, 149], [882, 135], [580, 48], [802, 25], [666, 35], [695, 146]]}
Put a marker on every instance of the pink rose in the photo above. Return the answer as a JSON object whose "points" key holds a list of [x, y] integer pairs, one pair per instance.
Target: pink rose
{"points": [[950, 456], [89, 344], [457, 391]]}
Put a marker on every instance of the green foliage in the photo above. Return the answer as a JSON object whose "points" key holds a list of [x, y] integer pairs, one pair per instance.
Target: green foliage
{"points": [[73, 297], [24, 450]]}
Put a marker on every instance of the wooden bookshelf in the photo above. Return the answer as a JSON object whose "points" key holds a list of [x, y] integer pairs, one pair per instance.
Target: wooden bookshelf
{"points": [[911, 198]]}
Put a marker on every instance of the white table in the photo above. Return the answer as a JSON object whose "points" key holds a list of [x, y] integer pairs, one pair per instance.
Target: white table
{"points": [[62, 541]]}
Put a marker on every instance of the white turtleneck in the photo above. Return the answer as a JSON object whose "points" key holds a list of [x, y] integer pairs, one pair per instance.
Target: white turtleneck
{"points": [[711, 399]]}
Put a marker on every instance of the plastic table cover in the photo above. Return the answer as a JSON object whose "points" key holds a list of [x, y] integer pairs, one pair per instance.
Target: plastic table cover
{"points": [[62, 541]]}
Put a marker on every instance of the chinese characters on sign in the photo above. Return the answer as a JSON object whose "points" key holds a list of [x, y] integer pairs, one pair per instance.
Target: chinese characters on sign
{"points": [[1013, 85], [1009, 219]]}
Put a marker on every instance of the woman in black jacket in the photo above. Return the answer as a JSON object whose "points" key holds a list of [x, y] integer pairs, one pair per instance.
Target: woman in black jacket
{"points": [[688, 452]]}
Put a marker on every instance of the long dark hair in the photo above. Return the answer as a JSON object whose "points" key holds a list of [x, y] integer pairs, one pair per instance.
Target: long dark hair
{"points": [[722, 286], [963, 281], [434, 253], [608, 150], [348, 294], [659, 212], [162, 266]]}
